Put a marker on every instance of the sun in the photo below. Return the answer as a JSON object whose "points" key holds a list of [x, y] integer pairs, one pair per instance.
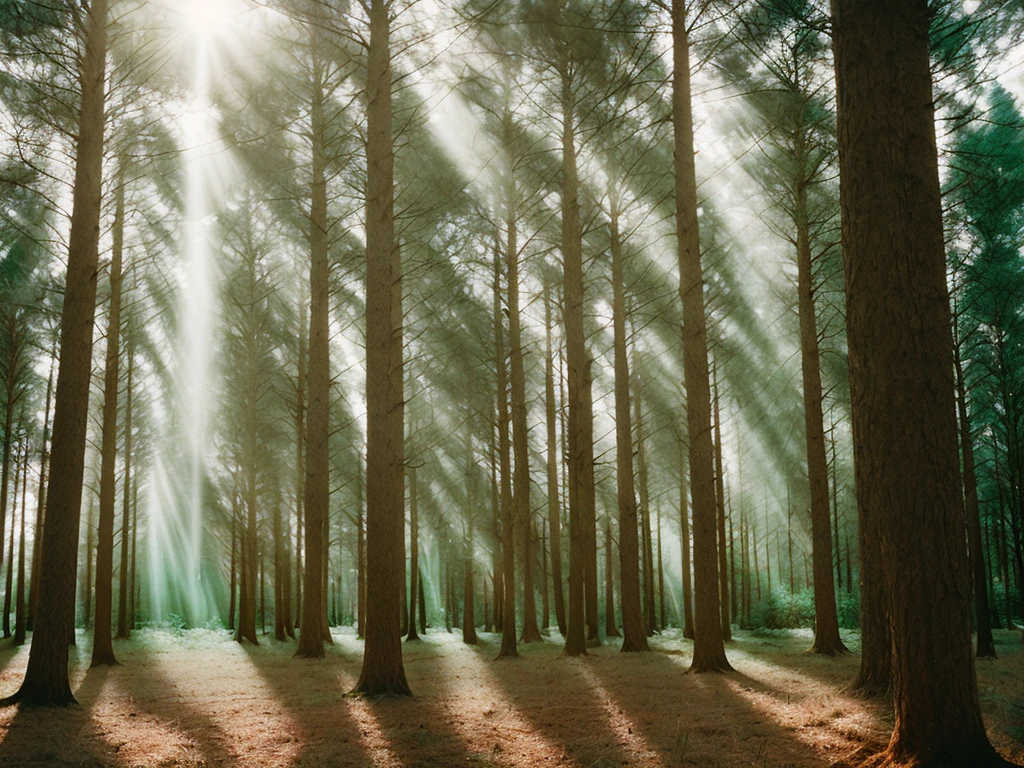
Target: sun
{"points": [[206, 19]]}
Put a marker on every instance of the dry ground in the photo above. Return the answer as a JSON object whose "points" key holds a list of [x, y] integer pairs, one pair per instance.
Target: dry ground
{"points": [[198, 699]]}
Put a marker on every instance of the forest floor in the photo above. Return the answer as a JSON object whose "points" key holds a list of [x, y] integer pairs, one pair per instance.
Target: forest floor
{"points": [[197, 699]]}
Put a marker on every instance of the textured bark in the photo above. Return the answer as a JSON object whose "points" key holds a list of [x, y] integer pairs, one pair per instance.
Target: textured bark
{"points": [[634, 634], [826, 618], [300, 462], [582, 622], [554, 513], [507, 507], [708, 648], [316, 496], [46, 679], [383, 671], [901, 375]]}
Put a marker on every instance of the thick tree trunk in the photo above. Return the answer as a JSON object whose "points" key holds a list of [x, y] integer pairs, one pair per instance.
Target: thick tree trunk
{"points": [[554, 515], [708, 648], [582, 623], [633, 629], [383, 671], [46, 679], [103, 646], [316, 496], [901, 375], [826, 618]]}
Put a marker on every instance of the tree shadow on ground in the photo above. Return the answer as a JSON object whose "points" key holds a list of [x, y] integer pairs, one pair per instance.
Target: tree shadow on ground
{"points": [[57, 736]]}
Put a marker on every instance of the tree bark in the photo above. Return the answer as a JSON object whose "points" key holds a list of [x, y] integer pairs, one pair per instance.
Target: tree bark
{"points": [[37, 538], [46, 679], [633, 629], [123, 630], [554, 513], [901, 375], [610, 630], [708, 647], [316, 496], [507, 507], [826, 619], [383, 671], [684, 540], [414, 557], [103, 646], [582, 622], [723, 557]]}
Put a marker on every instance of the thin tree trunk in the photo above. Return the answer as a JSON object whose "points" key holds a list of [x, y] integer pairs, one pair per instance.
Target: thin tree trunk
{"points": [[901, 375], [645, 515], [232, 600], [723, 557], [300, 464], [633, 627], [508, 608], [103, 646], [684, 536], [554, 515], [19, 602], [37, 537], [610, 629], [469, 611], [414, 558], [20, 465], [123, 630]]}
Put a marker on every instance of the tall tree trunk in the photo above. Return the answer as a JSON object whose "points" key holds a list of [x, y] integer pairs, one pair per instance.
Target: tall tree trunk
{"points": [[103, 646], [507, 508], [46, 679], [19, 601], [280, 568], [708, 648], [610, 630], [123, 630], [468, 610], [723, 556], [37, 537], [233, 589], [582, 623], [520, 444], [383, 671], [90, 562], [414, 558], [900, 350], [661, 573], [633, 629], [360, 559], [20, 466], [645, 515], [826, 618], [497, 557], [316, 497], [554, 514], [300, 464], [684, 541], [983, 616]]}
